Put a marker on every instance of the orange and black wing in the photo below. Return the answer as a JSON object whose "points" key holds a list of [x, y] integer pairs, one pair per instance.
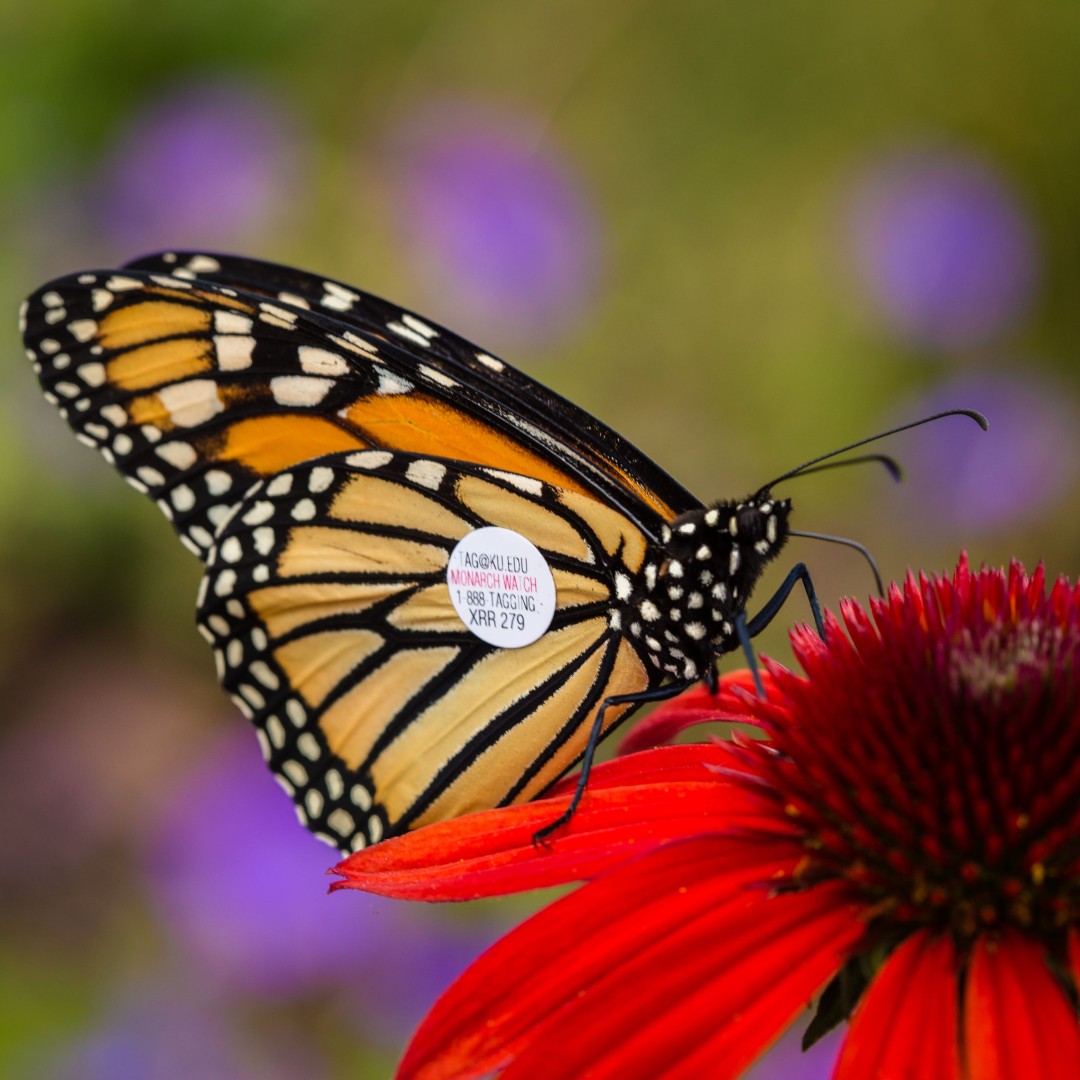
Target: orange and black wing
{"points": [[221, 386], [597, 457], [327, 606], [198, 382]]}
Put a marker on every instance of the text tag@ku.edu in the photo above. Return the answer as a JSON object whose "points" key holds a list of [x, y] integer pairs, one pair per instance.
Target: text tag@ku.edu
{"points": [[501, 587]]}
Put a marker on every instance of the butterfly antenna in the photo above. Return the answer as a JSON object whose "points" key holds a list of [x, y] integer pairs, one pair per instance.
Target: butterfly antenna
{"points": [[806, 466], [860, 548], [890, 464]]}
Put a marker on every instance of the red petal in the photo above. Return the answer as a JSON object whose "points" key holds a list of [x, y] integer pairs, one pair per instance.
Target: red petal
{"points": [[709, 1007], [1017, 1020], [631, 806], [673, 951], [906, 1026], [1073, 947], [695, 706]]}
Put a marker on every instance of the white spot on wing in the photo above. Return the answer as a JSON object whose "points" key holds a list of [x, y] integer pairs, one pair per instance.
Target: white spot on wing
{"points": [[280, 485], [321, 361], [292, 298], [231, 551], [334, 289], [421, 327], [389, 383], [263, 538], [341, 821], [428, 474], [436, 376], [529, 484], [260, 512], [218, 482], [191, 403], [320, 479], [299, 390], [404, 331], [234, 352], [180, 454], [150, 476], [273, 315], [203, 264], [357, 343], [92, 374], [231, 322], [370, 459]]}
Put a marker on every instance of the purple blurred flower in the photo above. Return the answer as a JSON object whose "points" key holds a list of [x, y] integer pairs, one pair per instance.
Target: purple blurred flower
{"points": [[244, 890], [945, 250], [786, 1060], [155, 1034], [1018, 470], [494, 218], [212, 163], [82, 762]]}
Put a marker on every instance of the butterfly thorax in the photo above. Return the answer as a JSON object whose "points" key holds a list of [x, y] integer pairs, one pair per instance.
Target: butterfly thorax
{"points": [[696, 581]]}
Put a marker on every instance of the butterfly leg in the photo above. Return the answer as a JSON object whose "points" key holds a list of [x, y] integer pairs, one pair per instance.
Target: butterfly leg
{"points": [[659, 693], [749, 629], [798, 575]]}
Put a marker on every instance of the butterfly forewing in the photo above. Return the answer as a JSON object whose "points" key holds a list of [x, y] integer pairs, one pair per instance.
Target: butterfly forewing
{"points": [[190, 391], [539, 417], [327, 605]]}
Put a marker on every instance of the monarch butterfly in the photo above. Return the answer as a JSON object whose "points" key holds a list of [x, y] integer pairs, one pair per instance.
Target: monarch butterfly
{"points": [[430, 582]]}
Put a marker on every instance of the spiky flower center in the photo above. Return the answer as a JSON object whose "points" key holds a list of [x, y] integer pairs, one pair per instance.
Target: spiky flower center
{"points": [[931, 759]]}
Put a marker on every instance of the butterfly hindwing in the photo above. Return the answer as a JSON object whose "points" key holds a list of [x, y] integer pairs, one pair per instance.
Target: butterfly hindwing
{"points": [[326, 602]]}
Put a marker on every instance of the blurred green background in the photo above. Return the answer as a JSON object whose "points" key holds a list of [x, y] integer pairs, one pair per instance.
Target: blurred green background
{"points": [[740, 234]]}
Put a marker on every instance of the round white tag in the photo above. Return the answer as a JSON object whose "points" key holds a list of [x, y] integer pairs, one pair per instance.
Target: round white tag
{"points": [[501, 587]]}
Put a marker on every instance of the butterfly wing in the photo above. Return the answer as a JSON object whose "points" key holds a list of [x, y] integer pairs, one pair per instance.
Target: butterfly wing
{"points": [[215, 384], [195, 389], [541, 417], [326, 602]]}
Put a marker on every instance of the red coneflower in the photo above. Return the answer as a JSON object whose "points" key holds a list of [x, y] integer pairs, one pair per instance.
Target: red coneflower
{"points": [[905, 843]]}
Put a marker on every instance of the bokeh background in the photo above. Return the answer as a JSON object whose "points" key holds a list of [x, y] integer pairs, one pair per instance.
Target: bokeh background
{"points": [[742, 234]]}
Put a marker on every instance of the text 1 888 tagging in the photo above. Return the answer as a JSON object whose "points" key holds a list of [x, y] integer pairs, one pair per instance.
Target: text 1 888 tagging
{"points": [[501, 587]]}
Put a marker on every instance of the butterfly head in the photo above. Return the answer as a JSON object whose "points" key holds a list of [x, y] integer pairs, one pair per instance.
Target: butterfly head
{"points": [[704, 570]]}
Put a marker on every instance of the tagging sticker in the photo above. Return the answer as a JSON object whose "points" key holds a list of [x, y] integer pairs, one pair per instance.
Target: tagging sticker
{"points": [[501, 587]]}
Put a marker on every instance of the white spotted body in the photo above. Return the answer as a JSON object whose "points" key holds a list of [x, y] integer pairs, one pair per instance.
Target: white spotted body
{"points": [[698, 579]]}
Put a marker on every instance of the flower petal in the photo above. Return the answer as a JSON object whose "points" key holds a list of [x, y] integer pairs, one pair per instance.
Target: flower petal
{"points": [[907, 1023], [698, 705], [1017, 1021], [670, 955], [632, 805]]}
